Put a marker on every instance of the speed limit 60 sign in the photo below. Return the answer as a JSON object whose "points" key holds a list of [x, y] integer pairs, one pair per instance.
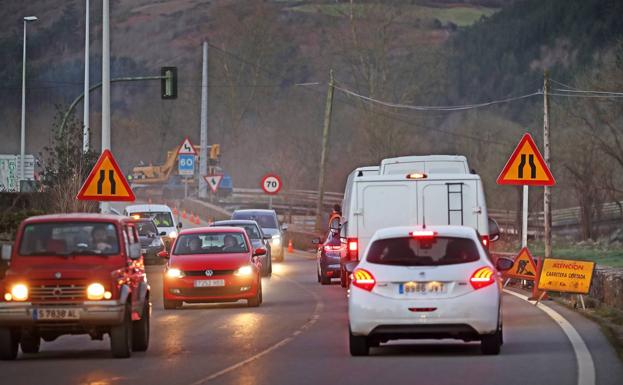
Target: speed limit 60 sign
{"points": [[271, 184]]}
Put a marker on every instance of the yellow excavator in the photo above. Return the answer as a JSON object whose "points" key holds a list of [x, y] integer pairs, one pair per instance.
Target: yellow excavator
{"points": [[165, 177]]}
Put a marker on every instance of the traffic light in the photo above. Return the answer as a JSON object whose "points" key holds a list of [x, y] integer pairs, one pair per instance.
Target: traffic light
{"points": [[168, 83]]}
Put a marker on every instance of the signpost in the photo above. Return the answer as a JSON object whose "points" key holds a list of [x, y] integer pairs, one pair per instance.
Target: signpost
{"points": [[524, 266], [186, 162], [106, 182], [271, 184], [526, 167]]}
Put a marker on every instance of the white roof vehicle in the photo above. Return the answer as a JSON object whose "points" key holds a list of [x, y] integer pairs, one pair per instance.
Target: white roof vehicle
{"points": [[430, 164], [161, 214], [430, 282]]}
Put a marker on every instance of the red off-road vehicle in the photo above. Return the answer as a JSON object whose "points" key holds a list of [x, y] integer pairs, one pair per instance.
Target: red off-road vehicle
{"points": [[75, 274]]}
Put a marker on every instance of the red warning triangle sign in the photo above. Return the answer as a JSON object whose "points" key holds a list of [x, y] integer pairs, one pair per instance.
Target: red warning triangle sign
{"points": [[106, 182], [186, 147], [214, 181], [526, 166], [524, 266]]}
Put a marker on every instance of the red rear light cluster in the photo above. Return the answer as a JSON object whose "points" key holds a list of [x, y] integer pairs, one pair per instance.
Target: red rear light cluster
{"points": [[363, 279], [353, 249], [482, 277]]}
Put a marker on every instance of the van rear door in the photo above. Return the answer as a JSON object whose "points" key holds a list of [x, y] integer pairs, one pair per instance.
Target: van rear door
{"points": [[384, 204], [449, 202]]}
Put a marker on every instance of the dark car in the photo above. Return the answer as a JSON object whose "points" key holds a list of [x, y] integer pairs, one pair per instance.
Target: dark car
{"points": [[269, 223], [328, 257], [258, 240], [151, 243]]}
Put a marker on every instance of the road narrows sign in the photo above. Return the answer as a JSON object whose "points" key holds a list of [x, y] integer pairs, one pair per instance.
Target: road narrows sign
{"points": [[526, 166], [186, 147], [523, 267], [106, 182], [271, 184], [214, 181]]}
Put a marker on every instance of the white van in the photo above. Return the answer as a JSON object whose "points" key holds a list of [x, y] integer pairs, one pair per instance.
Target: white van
{"points": [[162, 216], [374, 202], [430, 164]]}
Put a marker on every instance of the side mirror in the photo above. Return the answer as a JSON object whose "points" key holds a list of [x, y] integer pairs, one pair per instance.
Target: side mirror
{"points": [[504, 264], [316, 241], [494, 230], [163, 254], [284, 227], [179, 225], [259, 251], [7, 250], [163, 234]]}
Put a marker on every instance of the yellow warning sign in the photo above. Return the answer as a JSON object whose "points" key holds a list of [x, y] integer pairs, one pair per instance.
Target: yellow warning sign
{"points": [[524, 267], [526, 166], [106, 182], [566, 276]]}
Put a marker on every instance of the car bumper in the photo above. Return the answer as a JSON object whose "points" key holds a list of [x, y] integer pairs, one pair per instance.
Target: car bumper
{"points": [[478, 311], [151, 254], [236, 288], [90, 313]]}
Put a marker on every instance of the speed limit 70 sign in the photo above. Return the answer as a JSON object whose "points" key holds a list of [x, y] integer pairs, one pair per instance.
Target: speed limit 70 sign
{"points": [[271, 184]]}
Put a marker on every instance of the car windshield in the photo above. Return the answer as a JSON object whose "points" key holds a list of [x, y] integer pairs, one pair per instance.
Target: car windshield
{"points": [[146, 229], [252, 230], [161, 219], [436, 251], [69, 238], [211, 243], [264, 220]]}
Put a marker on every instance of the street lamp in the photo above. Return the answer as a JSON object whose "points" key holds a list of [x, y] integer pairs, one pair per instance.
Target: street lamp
{"points": [[23, 137]]}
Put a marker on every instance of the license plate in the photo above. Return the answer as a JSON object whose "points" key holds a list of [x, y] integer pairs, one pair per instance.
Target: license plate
{"points": [[143, 251], [210, 283], [421, 287], [55, 314]]}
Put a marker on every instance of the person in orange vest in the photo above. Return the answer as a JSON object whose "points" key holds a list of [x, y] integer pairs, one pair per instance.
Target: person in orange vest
{"points": [[335, 219]]}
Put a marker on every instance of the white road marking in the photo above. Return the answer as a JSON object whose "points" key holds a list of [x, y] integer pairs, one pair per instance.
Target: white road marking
{"points": [[313, 319], [586, 367]]}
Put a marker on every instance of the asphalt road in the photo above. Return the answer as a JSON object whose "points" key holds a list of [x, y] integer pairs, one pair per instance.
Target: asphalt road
{"points": [[298, 336]]}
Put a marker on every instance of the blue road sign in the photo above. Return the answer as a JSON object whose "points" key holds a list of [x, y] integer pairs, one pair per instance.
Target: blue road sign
{"points": [[186, 164]]}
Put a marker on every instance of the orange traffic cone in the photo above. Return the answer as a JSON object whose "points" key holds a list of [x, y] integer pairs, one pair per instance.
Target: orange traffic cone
{"points": [[174, 211], [191, 218], [290, 246], [184, 214], [197, 220]]}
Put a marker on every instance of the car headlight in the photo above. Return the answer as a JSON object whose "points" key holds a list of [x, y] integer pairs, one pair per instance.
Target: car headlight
{"points": [[96, 291], [276, 241], [175, 273], [244, 271], [173, 234], [156, 242], [19, 292]]}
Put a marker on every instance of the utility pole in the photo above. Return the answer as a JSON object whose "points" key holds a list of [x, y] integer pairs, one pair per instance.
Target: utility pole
{"points": [[22, 146], [547, 208], [323, 153], [85, 117], [105, 206], [203, 142]]}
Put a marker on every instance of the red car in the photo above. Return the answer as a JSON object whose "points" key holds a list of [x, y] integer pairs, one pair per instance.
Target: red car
{"points": [[75, 274], [213, 264]]}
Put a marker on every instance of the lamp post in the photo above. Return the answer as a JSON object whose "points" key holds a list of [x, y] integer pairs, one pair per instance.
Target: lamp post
{"points": [[22, 166], [85, 118]]}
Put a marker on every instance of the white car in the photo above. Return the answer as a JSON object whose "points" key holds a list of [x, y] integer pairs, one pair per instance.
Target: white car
{"points": [[430, 282], [162, 216]]}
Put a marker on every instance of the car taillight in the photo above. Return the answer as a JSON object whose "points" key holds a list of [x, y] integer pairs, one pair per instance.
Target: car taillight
{"points": [[363, 279], [486, 241], [353, 248], [332, 248], [482, 277]]}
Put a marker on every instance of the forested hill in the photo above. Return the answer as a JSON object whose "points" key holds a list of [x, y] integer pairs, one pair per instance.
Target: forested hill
{"points": [[507, 53]]}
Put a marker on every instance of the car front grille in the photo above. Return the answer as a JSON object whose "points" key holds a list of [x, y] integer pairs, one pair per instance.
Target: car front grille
{"points": [[202, 273], [57, 292]]}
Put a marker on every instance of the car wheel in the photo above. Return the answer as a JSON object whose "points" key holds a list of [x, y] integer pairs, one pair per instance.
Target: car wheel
{"points": [[343, 278], [30, 343], [140, 330], [121, 337], [257, 300], [358, 345], [318, 273], [490, 343], [8, 344], [171, 304], [324, 280]]}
